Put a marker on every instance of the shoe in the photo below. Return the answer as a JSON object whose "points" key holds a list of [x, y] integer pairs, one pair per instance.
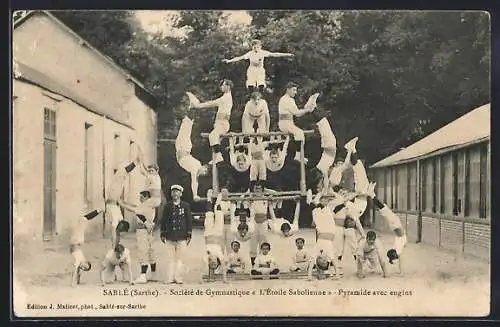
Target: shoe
{"points": [[141, 279], [255, 272], [351, 145], [179, 281]]}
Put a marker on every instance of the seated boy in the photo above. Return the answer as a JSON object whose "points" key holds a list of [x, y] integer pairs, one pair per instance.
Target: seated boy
{"points": [[370, 252], [236, 260], [265, 264], [119, 257], [301, 261]]}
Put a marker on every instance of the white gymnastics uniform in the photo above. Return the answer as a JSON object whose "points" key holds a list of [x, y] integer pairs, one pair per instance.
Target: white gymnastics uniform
{"points": [[258, 212], [183, 148], [275, 225], [255, 112], [258, 169], [221, 123], [370, 253], [286, 110], [357, 208], [153, 185], [235, 261], [249, 236], [214, 231], [265, 263], [329, 145], [115, 190], [77, 239], [256, 74], [326, 228], [110, 262], [145, 251], [301, 260], [227, 210], [395, 223]]}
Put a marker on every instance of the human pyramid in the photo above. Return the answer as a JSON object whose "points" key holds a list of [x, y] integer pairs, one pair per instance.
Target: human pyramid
{"points": [[237, 224], [242, 220]]}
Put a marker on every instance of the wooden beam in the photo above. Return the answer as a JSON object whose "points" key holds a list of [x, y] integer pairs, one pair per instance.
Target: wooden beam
{"points": [[261, 198], [240, 276], [233, 134]]}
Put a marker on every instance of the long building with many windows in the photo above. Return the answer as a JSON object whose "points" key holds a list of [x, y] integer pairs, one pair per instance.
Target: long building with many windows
{"points": [[440, 186]]}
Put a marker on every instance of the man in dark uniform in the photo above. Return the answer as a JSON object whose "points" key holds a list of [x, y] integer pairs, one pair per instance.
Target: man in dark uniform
{"points": [[176, 228]]}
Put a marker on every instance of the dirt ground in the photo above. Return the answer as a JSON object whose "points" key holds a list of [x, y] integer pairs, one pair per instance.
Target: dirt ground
{"points": [[435, 283]]}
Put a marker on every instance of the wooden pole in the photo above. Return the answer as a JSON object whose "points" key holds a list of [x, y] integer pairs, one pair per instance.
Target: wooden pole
{"points": [[302, 170], [215, 177], [103, 176]]}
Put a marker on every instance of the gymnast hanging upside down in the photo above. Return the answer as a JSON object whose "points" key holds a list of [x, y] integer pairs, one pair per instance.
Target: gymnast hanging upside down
{"points": [[214, 242], [400, 238], [190, 164]]}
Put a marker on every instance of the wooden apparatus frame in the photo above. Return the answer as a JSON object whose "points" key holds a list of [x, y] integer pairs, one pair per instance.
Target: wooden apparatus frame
{"points": [[215, 175]]}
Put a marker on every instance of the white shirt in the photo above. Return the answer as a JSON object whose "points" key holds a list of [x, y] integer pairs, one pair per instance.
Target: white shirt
{"points": [[153, 181], [256, 110], [147, 211], [301, 256], [235, 259], [264, 261], [256, 58], [275, 225], [324, 220], [369, 250], [78, 230], [225, 104], [111, 257], [287, 105]]}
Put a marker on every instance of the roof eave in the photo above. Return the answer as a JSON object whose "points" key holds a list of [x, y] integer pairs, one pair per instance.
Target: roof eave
{"points": [[127, 75]]}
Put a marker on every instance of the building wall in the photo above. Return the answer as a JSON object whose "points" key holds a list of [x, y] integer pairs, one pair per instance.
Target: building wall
{"points": [[454, 199], [44, 45], [28, 159]]}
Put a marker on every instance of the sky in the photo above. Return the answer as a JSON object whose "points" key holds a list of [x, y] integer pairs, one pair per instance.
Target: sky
{"points": [[154, 20]]}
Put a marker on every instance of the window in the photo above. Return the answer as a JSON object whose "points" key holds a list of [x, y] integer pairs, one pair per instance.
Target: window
{"points": [[381, 184], [402, 187], [87, 163], [483, 179], [427, 185], [49, 124], [447, 184], [435, 183], [388, 187], [396, 186], [412, 181]]}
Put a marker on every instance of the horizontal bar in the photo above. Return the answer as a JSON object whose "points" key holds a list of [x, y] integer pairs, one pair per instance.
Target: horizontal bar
{"points": [[240, 276], [267, 193], [258, 198], [165, 140], [306, 132]]}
